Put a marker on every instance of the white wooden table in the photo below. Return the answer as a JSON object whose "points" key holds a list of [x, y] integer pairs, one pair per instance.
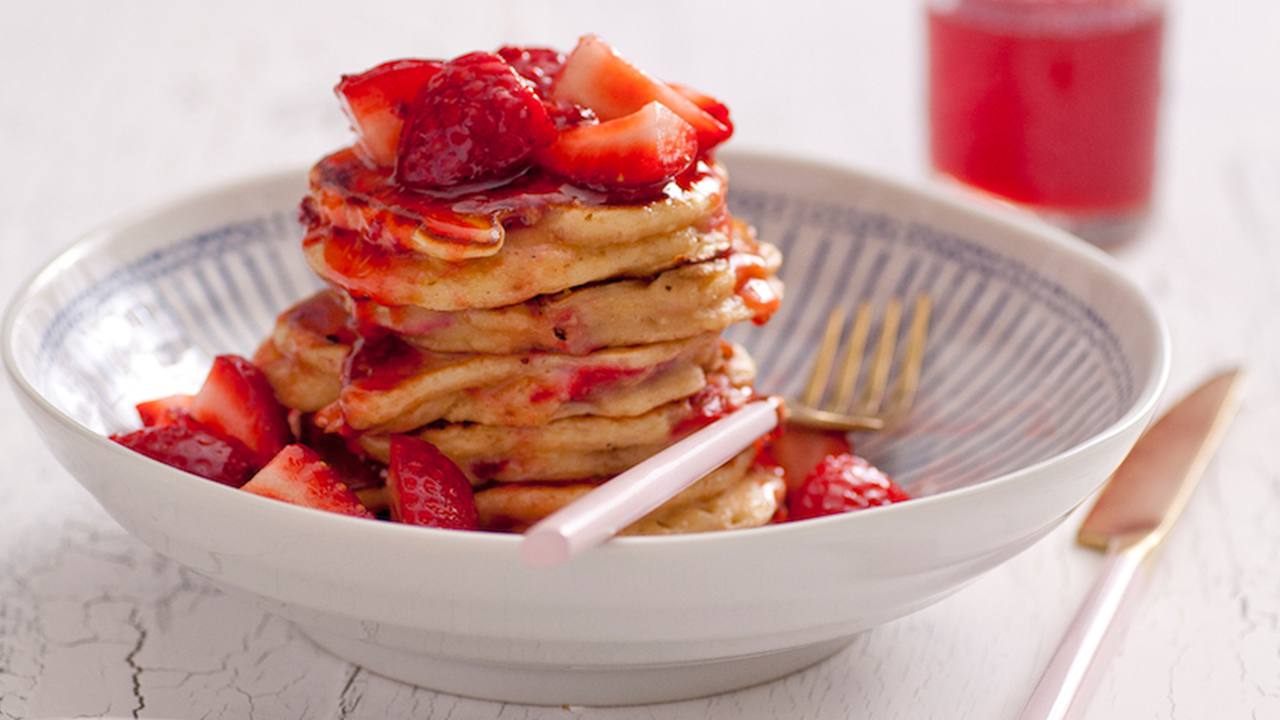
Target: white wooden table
{"points": [[106, 107]]}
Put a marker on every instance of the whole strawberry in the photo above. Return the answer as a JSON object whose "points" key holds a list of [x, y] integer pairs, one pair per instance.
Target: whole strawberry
{"points": [[477, 119], [842, 483]]}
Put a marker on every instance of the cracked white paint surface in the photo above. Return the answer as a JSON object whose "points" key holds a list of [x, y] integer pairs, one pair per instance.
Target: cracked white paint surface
{"points": [[106, 107]]}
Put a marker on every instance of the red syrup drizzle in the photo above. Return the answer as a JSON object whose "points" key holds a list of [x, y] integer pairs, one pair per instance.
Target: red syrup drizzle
{"points": [[380, 362], [488, 469], [583, 382], [717, 399], [753, 285]]}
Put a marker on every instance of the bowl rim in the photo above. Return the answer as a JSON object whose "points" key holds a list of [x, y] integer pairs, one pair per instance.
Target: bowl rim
{"points": [[946, 196]]}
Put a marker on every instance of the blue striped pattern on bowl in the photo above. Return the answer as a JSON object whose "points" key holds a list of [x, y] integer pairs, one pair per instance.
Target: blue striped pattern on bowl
{"points": [[1019, 368]]}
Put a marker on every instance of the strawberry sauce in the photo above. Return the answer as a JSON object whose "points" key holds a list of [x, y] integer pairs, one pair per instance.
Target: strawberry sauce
{"points": [[587, 380], [711, 403], [753, 286], [381, 362]]}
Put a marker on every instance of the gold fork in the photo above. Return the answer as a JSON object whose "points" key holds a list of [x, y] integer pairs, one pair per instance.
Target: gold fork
{"points": [[846, 407]]}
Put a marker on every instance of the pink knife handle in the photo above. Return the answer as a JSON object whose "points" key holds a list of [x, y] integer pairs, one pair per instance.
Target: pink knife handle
{"points": [[1063, 678], [601, 513]]}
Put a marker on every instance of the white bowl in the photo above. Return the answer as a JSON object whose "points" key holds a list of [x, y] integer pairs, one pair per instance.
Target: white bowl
{"points": [[1044, 366]]}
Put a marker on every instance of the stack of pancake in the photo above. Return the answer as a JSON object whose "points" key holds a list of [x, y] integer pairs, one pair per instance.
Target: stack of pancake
{"points": [[545, 339]]}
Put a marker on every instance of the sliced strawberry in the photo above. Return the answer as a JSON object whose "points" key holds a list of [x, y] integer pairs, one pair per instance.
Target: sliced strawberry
{"points": [[185, 445], [376, 99], [596, 76], [842, 483], [707, 104], [297, 475], [165, 410], [427, 488], [237, 401], [799, 450], [644, 149], [476, 120]]}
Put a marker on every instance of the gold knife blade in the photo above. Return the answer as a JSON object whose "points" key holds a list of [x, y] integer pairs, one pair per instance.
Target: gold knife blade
{"points": [[1151, 487]]}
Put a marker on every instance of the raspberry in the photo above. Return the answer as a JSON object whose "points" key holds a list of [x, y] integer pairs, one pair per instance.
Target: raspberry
{"points": [[567, 115], [842, 483], [477, 119], [537, 65]]}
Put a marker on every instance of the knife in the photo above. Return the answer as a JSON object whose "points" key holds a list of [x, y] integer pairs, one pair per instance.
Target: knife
{"points": [[1133, 514]]}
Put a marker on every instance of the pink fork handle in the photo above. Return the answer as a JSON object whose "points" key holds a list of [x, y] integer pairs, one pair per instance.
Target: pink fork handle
{"points": [[1062, 679], [601, 513]]}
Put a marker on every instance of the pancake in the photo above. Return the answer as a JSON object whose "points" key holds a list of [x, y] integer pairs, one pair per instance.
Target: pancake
{"points": [[498, 247], [394, 387], [736, 495], [516, 506], [397, 387], [580, 447], [532, 263], [346, 193], [678, 303], [751, 502], [298, 386], [739, 494], [304, 356]]}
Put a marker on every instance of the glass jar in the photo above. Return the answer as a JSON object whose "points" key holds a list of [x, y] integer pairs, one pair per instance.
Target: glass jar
{"points": [[1051, 104]]}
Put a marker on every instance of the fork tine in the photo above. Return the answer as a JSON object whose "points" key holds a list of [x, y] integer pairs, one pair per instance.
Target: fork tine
{"points": [[904, 388], [878, 373], [851, 360], [817, 385]]}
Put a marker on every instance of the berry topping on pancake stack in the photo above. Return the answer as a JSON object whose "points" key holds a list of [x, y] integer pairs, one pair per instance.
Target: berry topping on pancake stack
{"points": [[529, 262]]}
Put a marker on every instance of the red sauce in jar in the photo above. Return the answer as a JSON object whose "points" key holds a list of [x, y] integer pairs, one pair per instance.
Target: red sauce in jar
{"points": [[1051, 104]]}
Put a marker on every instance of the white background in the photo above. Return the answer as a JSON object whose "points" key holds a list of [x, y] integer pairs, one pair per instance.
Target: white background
{"points": [[108, 107]]}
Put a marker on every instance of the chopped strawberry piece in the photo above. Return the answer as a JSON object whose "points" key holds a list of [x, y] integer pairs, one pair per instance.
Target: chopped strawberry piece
{"points": [[354, 469], [585, 381], [839, 484], [644, 149], [715, 400], [297, 475], [376, 99], [427, 488], [596, 76], [476, 120], [707, 104], [537, 65], [185, 445], [165, 410], [799, 450], [237, 401]]}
